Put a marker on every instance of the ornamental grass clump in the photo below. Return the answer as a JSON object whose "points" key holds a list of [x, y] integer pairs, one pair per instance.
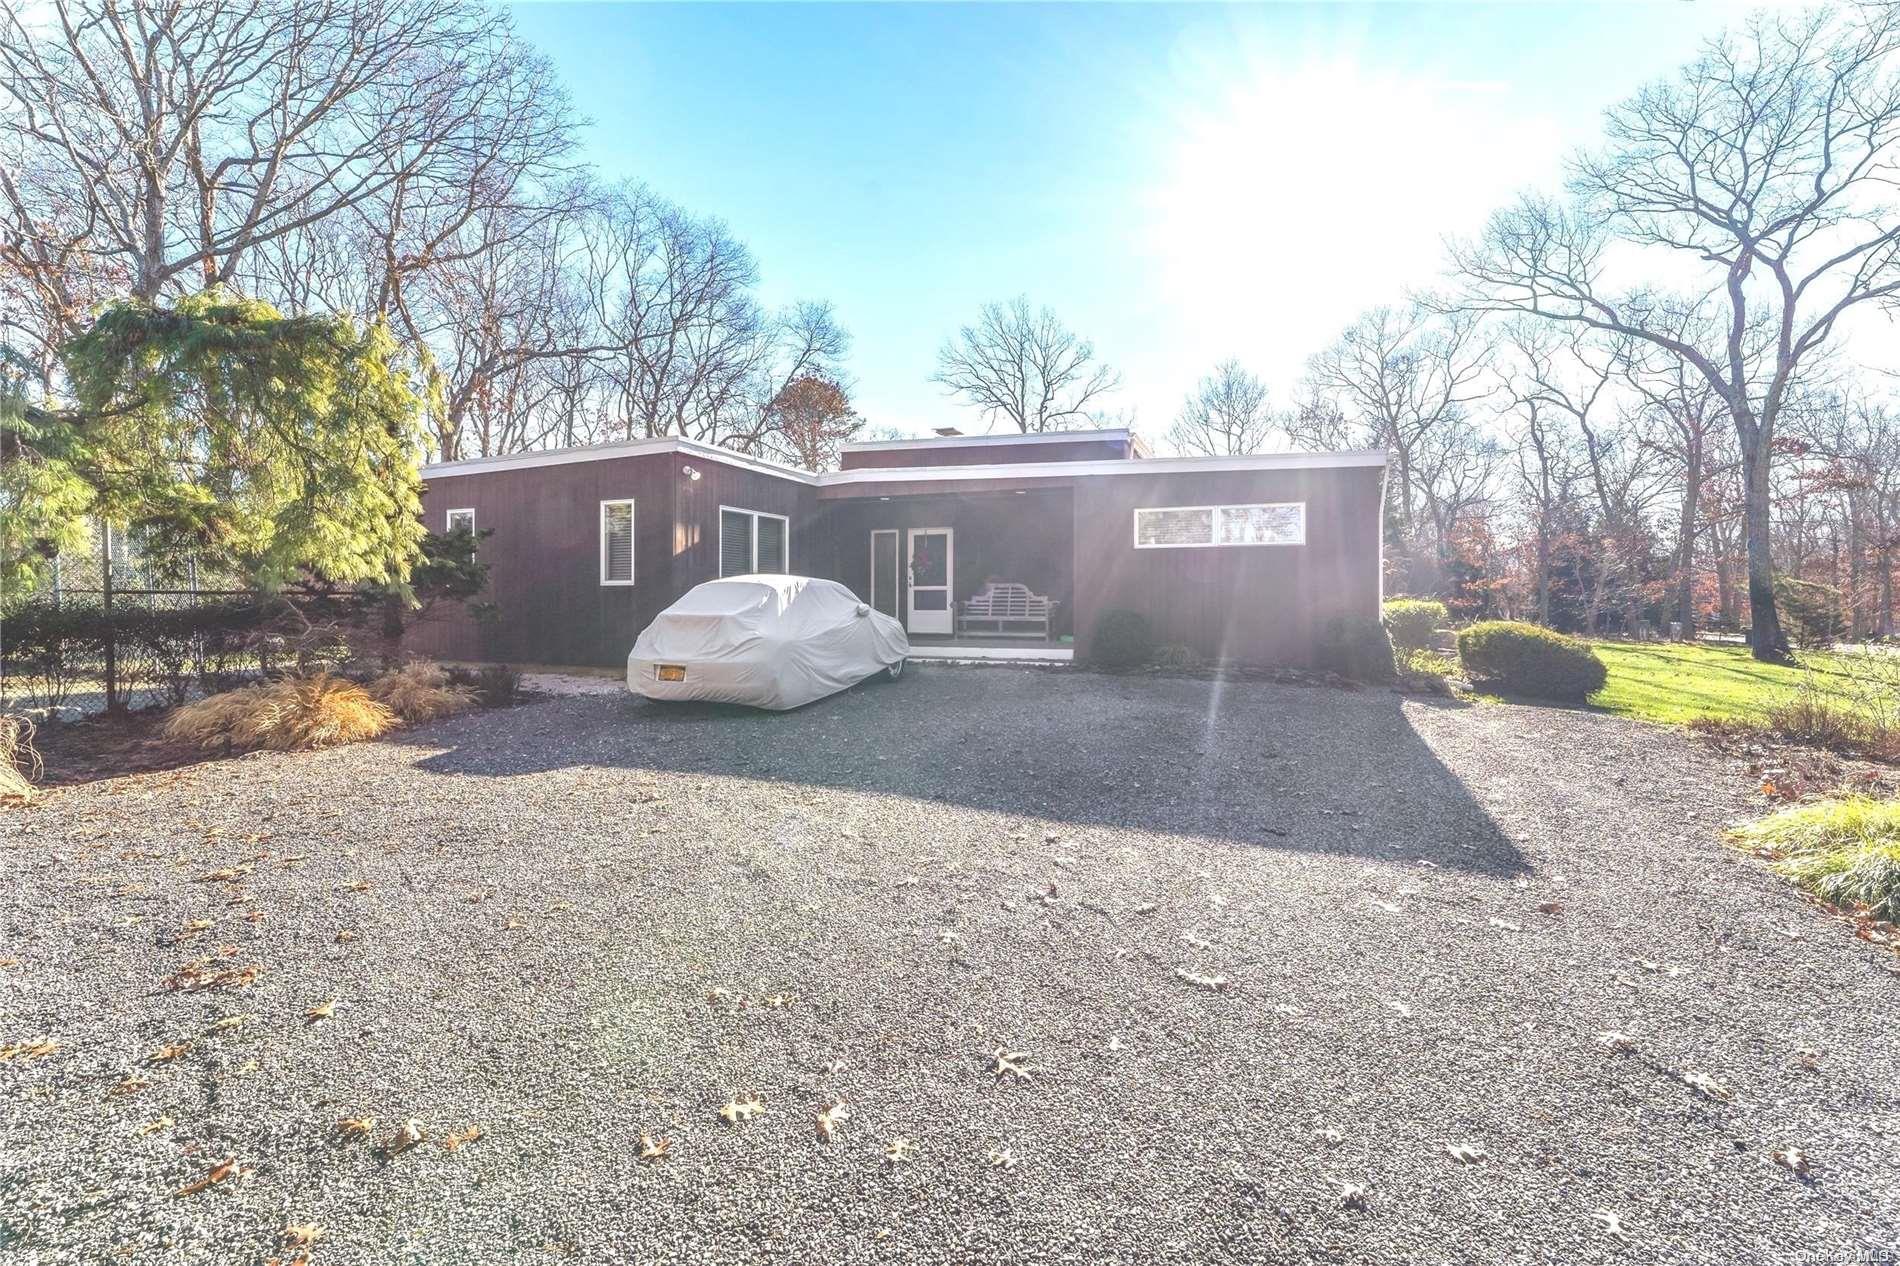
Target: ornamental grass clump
{"points": [[297, 713], [19, 762], [420, 691], [1844, 851]]}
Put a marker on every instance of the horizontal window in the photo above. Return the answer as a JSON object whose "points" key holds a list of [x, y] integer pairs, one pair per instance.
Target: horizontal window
{"points": [[616, 542], [459, 521], [1201, 527], [753, 542]]}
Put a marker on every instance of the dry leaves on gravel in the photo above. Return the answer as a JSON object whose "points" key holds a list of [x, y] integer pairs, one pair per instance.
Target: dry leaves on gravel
{"points": [[829, 1119], [1618, 1041], [899, 1151], [1465, 1153], [1213, 983], [460, 1138], [218, 1174], [405, 1136], [737, 1110], [1709, 1086], [301, 1234], [322, 1011], [652, 1149], [356, 1127], [1793, 1159], [1012, 1064], [33, 1048], [203, 973], [1353, 1195]]}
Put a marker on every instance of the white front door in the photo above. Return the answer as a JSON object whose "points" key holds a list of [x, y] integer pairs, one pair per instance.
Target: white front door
{"points": [[931, 607]]}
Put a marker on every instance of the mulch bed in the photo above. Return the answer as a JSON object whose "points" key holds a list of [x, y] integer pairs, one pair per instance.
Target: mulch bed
{"points": [[108, 746]]}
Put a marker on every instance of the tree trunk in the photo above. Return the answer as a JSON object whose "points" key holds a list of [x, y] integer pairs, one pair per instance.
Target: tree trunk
{"points": [[1685, 551], [1766, 641]]}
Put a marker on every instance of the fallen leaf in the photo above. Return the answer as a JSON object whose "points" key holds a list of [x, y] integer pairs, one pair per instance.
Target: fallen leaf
{"points": [[1333, 1137], [828, 1119], [167, 1053], [153, 1127], [652, 1149], [322, 1011], [1709, 1086], [899, 1150], [345, 937], [1390, 907], [1506, 925], [217, 1175], [1353, 1195], [1215, 983], [1618, 1041], [407, 1135], [737, 1110], [1551, 907], [1008, 1063], [1399, 1007], [1002, 1158], [1793, 1158], [227, 874], [454, 1141], [1465, 1153], [131, 1085], [781, 1000], [229, 1024], [35, 1048], [356, 1127], [302, 1234], [1194, 939], [1612, 1224]]}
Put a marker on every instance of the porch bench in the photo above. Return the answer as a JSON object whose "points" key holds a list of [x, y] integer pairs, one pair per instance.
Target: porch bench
{"points": [[1005, 603]]}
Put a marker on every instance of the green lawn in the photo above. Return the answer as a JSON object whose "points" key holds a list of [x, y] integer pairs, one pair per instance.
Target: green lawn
{"points": [[1677, 682]]}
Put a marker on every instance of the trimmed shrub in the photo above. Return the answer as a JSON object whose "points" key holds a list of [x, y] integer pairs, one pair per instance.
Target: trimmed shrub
{"points": [[420, 691], [1811, 613], [1357, 649], [1413, 622], [1528, 659], [293, 714], [1122, 639]]}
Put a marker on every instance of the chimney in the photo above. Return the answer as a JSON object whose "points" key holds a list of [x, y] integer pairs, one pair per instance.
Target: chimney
{"points": [[948, 432]]}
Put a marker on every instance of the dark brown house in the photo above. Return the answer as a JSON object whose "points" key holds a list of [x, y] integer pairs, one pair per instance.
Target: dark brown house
{"points": [[983, 546]]}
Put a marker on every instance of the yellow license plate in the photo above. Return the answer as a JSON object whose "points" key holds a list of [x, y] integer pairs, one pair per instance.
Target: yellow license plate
{"points": [[670, 672]]}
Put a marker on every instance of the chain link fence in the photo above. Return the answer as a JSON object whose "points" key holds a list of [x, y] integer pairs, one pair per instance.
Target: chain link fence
{"points": [[106, 630]]}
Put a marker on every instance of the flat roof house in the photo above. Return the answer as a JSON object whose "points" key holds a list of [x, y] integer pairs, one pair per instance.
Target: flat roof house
{"points": [[1242, 559]]}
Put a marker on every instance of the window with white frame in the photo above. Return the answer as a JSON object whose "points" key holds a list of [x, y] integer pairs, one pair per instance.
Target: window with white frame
{"points": [[616, 542], [1202, 527], [752, 541], [459, 521]]}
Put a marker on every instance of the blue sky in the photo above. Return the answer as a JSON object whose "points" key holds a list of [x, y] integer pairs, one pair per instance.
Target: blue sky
{"points": [[1180, 183]]}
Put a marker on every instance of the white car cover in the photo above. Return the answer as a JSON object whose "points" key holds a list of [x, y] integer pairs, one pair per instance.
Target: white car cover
{"points": [[769, 641]]}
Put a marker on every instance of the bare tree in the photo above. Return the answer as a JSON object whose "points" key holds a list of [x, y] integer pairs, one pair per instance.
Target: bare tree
{"points": [[1404, 379], [176, 139], [683, 336], [1227, 415], [1024, 367], [1768, 163]]}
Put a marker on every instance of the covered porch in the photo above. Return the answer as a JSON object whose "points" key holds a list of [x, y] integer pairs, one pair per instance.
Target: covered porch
{"points": [[971, 575]]}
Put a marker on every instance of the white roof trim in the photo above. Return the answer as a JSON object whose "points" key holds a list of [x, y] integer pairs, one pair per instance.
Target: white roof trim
{"points": [[606, 452], [1121, 466], [911, 474], [962, 441]]}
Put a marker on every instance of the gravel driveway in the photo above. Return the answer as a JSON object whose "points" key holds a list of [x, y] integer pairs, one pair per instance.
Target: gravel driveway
{"points": [[1255, 943]]}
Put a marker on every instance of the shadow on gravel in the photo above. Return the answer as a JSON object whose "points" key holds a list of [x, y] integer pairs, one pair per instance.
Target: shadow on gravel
{"points": [[1309, 769]]}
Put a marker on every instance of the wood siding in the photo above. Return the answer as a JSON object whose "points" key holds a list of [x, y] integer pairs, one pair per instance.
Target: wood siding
{"points": [[951, 453], [544, 555], [1246, 604]]}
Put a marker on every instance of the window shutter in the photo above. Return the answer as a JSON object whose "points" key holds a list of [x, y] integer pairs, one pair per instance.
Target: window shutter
{"points": [[616, 542], [772, 545], [735, 543]]}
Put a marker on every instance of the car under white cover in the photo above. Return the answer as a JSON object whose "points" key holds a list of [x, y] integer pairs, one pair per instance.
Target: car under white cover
{"points": [[768, 641]]}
